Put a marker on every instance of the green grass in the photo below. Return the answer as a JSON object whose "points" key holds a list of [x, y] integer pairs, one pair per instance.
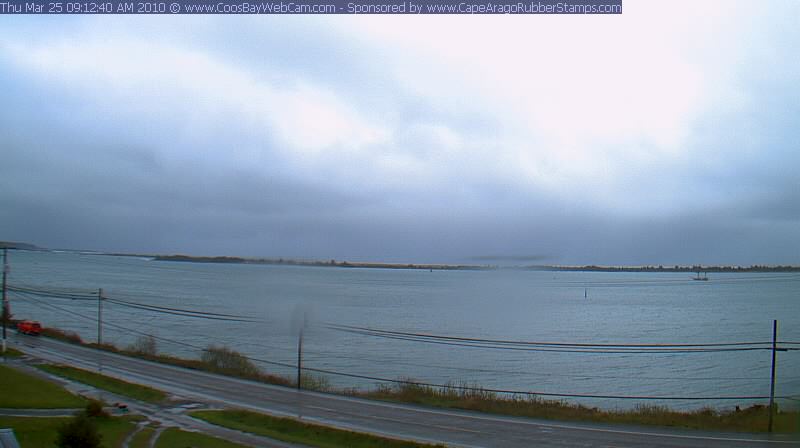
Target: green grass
{"points": [[142, 438], [11, 353], [41, 432], [114, 385], [294, 431], [752, 419], [173, 438], [20, 390]]}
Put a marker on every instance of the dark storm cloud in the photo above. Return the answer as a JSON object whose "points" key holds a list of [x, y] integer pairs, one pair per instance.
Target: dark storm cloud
{"points": [[81, 187]]}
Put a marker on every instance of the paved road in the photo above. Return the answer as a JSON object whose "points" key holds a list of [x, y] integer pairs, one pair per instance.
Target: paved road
{"points": [[453, 428], [168, 415]]}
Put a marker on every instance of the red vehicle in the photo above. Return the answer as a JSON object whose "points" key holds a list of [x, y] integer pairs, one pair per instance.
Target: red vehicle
{"points": [[30, 327]]}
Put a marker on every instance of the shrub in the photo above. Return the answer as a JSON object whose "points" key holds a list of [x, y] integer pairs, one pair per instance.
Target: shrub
{"points": [[226, 360], [315, 382], [80, 432], [63, 335], [144, 345], [95, 409]]}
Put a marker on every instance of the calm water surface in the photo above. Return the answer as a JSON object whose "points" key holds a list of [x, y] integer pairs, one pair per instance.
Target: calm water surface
{"points": [[516, 305]]}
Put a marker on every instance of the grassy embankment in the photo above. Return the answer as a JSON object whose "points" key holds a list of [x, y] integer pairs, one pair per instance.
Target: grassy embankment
{"points": [[41, 432], [753, 419], [19, 390], [195, 364], [142, 438], [135, 391], [174, 437], [11, 353], [293, 431]]}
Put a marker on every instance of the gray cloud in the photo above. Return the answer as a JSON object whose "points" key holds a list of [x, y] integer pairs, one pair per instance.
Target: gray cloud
{"points": [[100, 166]]}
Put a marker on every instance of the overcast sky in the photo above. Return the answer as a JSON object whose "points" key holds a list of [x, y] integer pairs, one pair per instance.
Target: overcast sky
{"points": [[669, 134]]}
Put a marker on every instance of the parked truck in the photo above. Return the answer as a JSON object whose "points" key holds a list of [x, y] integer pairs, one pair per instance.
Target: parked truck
{"points": [[30, 327]]}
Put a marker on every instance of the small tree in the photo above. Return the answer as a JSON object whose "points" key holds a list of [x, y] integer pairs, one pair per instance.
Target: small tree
{"points": [[80, 432]]}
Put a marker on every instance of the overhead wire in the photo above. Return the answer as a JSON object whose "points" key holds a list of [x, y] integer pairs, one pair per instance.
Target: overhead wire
{"points": [[576, 350], [182, 312], [54, 293], [401, 363], [321, 355], [154, 308], [111, 324], [567, 347], [433, 385], [556, 347], [130, 330], [539, 343]]}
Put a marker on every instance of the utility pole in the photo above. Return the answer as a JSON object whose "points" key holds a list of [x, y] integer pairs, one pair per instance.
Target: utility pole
{"points": [[300, 358], [5, 310], [772, 383], [300, 352], [100, 317], [100, 330]]}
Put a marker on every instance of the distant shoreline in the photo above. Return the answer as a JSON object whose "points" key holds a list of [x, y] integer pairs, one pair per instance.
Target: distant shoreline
{"points": [[585, 268], [419, 266], [317, 263]]}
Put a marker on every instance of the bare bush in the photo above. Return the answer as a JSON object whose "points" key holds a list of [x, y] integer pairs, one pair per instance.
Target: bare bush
{"points": [[144, 345], [227, 360]]}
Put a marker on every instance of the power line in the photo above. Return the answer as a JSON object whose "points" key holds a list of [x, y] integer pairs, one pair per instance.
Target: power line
{"points": [[558, 347], [59, 289], [92, 295], [182, 312], [551, 347], [341, 327], [496, 344], [440, 386], [320, 355], [178, 309], [568, 350], [94, 319], [401, 363], [154, 308], [55, 294], [130, 330]]}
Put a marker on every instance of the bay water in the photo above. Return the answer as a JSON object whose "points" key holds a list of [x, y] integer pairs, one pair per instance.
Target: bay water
{"points": [[519, 305]]}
